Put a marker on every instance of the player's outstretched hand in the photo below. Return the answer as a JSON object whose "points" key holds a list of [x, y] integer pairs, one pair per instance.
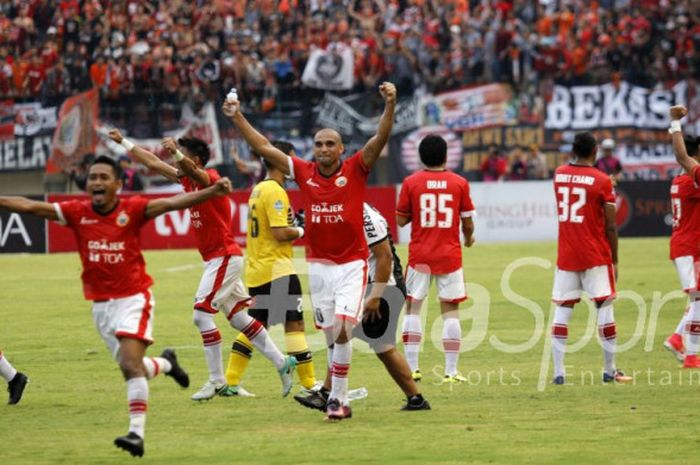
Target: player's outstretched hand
{"points": [[677, 112], [115, 135], [300, 219], [469, 241], [388, 92], [372, 312], [169, 144], [223, 186], [231, 107]]}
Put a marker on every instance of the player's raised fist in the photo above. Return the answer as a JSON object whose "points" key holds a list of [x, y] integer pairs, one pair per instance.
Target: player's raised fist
{"points": [[231, 107], [677, 112], [388, 92], [169, 145], [224, 186], [115, 135]]}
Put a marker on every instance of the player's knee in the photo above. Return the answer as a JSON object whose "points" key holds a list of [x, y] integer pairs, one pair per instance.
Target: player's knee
{"points": [[200, 318], [132, 367]]}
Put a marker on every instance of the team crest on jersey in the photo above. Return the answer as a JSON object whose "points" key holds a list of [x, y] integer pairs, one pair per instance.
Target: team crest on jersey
{"points": [[341, 181], [122, 219], [279, 205]]}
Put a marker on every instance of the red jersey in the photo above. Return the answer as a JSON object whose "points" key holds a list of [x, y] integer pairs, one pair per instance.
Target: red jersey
{"points": [[109, 247], [685, 204], [581, 193], [212, 222], [436, 202], [333, 205]]}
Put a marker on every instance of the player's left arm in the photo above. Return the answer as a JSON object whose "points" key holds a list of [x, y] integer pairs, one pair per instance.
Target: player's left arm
{"points": [[374, 146], [611, 231], [403, 207], [384, 258], [25, 205], [467, 215], [179, 202], [468, 230], [677, 113], [186, 165]]}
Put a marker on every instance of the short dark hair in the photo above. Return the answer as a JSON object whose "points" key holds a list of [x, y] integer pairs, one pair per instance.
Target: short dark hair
{"points": [[197, 147], [692, 145], [105, 160], [584, 145], [283, 146], [432, 150]]}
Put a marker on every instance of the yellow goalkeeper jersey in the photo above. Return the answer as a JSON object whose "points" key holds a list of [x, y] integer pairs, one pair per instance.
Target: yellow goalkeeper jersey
{"points": [[268, 259]]}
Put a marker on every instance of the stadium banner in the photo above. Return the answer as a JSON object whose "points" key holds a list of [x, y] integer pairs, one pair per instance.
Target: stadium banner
{"points": [[203, 125], [330, 69], [173, 230], [510, 211], [335, 113], [644, 208], [636, 118], [22, 233], [473, 108], [25, 141], [75, 134], [475, 144]]}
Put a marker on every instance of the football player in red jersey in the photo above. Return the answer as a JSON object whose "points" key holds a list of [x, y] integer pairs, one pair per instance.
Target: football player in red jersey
{"points": [[333, 191], [221, 288], [685, 239], [587, 255], [437, 203], [114, 276]]}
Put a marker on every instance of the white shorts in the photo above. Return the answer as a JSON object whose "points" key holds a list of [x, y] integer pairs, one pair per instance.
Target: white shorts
{"points": [[450, 286], [337, 291], [221, 288], [598, 283], [130, 317], [687, 269]]}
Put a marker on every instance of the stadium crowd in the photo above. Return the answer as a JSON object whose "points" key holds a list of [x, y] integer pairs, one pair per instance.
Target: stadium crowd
{"points": [[49, 49]]}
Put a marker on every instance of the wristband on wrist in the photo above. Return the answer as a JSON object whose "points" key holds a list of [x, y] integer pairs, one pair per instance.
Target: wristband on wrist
{"points": [[127, 144], [300, 230], [178, 156], [675, 126]]}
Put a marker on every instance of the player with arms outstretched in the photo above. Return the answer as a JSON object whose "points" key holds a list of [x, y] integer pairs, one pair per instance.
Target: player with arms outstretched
{"points": [[587, 255], [270, 275], [333, 191], [221, 288], [685, 239], [107, 230], [437, 203]]}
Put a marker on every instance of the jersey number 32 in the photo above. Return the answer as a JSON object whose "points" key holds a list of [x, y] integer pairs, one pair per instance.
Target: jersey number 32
{"points": [[572, 199]]}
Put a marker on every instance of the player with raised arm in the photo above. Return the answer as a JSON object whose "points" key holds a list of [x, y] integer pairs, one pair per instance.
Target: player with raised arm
{"points": [[107, 229], [436, 202], [333, 191], [384, 300], [16, 381], [221, 288], [270, 275], [685, 240], [587, 255]]}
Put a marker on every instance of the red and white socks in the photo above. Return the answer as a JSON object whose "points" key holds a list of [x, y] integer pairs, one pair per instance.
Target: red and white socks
{"points": [[412, 336], [137, 395], [451, 339], [608, 336], [258, 336], [211, 338], [155, 366], [692, 330], [560, 334], [7, 371], [342, 356]]}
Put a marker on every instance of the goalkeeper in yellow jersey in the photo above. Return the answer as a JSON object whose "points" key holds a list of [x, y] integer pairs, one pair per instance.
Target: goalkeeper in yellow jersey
{"points": [[271, 277]]}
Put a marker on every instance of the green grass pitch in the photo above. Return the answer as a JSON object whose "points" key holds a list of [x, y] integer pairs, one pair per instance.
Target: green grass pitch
{"points": [[508, 412]]}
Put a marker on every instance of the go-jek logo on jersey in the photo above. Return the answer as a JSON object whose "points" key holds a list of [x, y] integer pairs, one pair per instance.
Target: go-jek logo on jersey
{"points": [[106, 252], [325, 213]]}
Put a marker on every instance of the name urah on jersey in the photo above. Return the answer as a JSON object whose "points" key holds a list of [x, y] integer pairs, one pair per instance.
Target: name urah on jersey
{"points": [[327, 213], [575, 179], [106, 252]]}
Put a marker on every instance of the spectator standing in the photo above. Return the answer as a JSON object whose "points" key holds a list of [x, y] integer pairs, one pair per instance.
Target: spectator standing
{"points": [[608, 163], [495, 167]]}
